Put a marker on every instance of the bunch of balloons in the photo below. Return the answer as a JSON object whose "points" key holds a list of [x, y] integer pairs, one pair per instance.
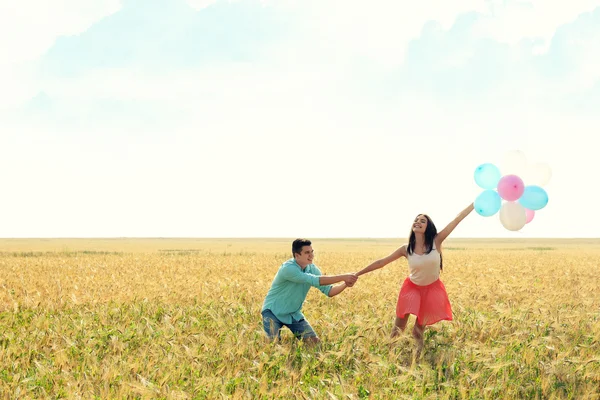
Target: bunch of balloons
{"points": [[508, 193]]}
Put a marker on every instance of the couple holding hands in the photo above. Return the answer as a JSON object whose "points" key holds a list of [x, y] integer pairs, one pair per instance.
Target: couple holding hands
{"points": [[422, 294]]}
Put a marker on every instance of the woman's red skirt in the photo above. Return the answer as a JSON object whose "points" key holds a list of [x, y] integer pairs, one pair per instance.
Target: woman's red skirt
{"points": [[429, 303]]}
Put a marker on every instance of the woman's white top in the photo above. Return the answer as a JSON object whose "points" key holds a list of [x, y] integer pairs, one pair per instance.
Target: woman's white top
{"points": [[424, 269]]}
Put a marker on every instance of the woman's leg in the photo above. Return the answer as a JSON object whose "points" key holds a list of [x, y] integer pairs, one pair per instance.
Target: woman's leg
{"points": [[399, 325], [418, 335]]}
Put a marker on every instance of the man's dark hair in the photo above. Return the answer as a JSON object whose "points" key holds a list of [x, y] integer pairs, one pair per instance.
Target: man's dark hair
{"points": [[298, 244]]}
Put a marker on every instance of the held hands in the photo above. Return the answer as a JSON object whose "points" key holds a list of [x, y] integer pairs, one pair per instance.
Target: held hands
{"points": [[350, 279]]}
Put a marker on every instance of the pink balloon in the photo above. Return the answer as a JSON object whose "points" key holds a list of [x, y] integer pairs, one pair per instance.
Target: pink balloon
{"points": [[511, 187], [529, 214]]}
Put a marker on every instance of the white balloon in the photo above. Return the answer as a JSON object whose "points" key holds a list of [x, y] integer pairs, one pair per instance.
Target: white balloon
{"points": [[513, 216], [514, 163], [538, 174]]}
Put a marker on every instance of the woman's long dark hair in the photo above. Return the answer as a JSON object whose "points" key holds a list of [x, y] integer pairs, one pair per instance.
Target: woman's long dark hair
{"points": [[430, 234]]}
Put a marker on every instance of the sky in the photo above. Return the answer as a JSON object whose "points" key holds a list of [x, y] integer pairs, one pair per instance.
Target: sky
{"points": [[282, 118]]}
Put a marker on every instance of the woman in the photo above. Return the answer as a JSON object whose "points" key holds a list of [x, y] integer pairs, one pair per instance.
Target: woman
{"points": [[422, 294]]}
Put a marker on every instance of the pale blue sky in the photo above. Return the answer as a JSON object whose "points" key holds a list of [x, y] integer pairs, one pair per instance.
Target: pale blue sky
{"points": [[199, 118]]}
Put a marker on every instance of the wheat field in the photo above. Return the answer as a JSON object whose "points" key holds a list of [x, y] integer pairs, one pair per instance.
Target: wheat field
{"points": [[180, 319]]}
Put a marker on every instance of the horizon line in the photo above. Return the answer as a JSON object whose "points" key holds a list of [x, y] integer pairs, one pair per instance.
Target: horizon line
{"points": [[288, 238]]}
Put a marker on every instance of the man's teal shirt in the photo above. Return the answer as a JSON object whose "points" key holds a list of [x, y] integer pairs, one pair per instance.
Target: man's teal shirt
{"points": [[289, 289]]}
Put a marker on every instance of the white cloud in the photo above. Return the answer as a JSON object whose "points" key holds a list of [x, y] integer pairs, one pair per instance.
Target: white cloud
{"points": [[371, 163], [379, 30], [28, 28], [17, 85], [511, 21], [200, 4]]}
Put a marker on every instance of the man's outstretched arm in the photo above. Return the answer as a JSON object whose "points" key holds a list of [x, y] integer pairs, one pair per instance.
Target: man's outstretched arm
{"points": [[349, 279], [293, 273], [337, 289]]}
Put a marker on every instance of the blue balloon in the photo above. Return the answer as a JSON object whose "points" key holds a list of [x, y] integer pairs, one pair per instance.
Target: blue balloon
{"points": [[534, 198], [488, 203], [487, 176]]}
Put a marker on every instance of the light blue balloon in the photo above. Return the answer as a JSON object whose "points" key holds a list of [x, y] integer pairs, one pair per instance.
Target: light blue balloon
{"points": [[487, 176], [488, 203], [534, 198]]}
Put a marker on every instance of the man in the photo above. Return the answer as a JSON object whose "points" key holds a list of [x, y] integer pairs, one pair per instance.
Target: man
{"points": [[283, 303]]}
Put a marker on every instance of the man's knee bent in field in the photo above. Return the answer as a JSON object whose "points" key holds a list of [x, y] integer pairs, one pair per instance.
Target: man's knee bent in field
{"points": [[271, 325]]}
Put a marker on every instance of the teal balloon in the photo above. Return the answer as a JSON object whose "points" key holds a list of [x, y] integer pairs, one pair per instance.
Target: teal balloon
{"points": [[534, 198], [488, 203], [487, 176]]}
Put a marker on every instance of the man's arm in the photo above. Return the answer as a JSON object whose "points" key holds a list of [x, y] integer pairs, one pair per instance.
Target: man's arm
{"points": [[348, 279], [337, 289], [292, 273]]}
